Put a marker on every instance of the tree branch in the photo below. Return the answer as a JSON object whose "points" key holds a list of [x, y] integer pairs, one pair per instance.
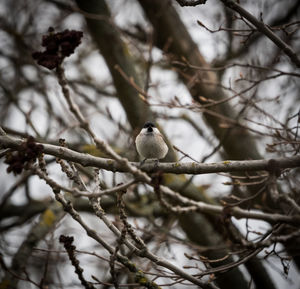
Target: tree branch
{"points": [[175, 168], [193, 205], [263, 28]]}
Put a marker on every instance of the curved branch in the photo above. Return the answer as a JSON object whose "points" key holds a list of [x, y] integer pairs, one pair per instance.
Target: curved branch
{"points": [[263, 28], [143, 253], [175, 168], [192, 205]]}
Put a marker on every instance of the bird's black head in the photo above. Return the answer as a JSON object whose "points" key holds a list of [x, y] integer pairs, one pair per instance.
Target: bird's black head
{"points": [[149, 126]]}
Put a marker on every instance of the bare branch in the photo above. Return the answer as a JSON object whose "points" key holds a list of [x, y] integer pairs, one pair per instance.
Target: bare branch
{"points": [[93, 234], [175, 168], [263, 28]]}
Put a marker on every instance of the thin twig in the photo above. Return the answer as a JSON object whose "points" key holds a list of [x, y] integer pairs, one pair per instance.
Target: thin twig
{"points": [[263, 28]]}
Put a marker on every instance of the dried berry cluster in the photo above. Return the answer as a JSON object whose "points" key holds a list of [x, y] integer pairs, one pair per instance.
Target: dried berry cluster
{"points": [[67, 241], [58, 46], [26, 154]]}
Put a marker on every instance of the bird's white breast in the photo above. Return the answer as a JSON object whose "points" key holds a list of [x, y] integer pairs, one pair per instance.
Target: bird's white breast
{"points": [[151, 145]]}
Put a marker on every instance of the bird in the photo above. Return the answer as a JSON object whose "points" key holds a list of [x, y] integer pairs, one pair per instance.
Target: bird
{"points": [[150, 143]]}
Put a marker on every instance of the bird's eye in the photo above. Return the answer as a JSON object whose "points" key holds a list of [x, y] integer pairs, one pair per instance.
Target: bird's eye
{"points": [[149, 124]]}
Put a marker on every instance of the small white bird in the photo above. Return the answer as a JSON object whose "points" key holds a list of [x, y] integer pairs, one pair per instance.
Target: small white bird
{"points": [[150, 143]]}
